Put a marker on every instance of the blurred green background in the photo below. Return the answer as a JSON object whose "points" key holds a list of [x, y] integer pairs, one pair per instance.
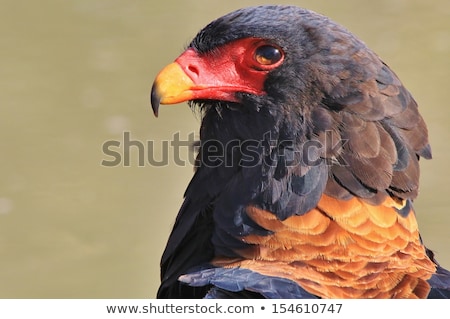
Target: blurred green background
{"points": [[75, 74]]}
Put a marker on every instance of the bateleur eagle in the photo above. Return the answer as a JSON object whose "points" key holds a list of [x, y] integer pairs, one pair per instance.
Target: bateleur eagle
{"points": [[307, 166]]}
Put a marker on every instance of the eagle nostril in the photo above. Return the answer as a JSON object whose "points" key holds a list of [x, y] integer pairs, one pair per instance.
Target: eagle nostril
{"points": [[193, 70]]}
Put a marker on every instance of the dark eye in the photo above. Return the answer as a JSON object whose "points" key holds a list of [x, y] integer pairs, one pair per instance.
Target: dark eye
{"points": [[267, 55]]}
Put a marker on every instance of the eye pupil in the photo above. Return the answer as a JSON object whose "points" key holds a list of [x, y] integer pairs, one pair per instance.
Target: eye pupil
{"points": [[267, 55]]}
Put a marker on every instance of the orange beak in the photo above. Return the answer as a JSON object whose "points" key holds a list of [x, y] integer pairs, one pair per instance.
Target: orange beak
{"points": [[171, 86]]}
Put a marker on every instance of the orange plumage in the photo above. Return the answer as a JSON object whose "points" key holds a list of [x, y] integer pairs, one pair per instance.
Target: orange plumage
{"points": [[342, 249]]}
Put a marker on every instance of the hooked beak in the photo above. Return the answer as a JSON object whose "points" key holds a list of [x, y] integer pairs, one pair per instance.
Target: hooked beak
{"points": [[172, 85]]}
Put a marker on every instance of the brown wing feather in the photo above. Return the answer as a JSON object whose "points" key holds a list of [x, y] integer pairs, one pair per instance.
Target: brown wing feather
{"points": [[384, 134]]}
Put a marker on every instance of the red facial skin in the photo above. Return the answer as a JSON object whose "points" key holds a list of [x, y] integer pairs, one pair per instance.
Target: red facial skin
{"points": [[216, 75]]}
